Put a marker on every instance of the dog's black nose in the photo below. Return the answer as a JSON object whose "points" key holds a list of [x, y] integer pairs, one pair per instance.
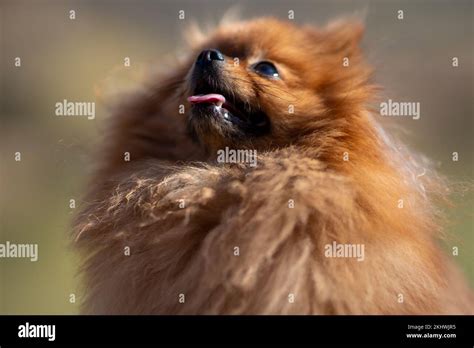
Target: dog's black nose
{"points": [[207, 56]]}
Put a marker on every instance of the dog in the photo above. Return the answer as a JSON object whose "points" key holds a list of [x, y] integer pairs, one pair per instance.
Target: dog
{"points": [[169, 226]]}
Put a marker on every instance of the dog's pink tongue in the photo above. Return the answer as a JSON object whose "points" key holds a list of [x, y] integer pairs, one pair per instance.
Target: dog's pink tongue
{"points": [[207, 98]]}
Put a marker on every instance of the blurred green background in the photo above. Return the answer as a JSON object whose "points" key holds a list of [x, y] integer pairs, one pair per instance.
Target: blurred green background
{"points": [[70, 59]]}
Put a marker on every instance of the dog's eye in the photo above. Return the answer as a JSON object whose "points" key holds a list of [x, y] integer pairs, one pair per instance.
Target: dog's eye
{"points": [[267, 69]]}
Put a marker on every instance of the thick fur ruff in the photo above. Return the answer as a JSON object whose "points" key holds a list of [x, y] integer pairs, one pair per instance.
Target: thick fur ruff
{"points": [[209, 238]]}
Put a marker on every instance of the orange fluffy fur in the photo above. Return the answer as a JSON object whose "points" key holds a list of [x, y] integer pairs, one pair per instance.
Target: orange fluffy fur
{"points": [[190, 250]]}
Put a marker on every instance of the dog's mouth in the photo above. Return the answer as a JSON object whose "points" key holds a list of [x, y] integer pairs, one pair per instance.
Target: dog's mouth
{"points": [[229, 110]]}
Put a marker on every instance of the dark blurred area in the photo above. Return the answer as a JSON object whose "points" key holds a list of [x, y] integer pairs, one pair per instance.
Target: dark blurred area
{"points": [[63, 58]]}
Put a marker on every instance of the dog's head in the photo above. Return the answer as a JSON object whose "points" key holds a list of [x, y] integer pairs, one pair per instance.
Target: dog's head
{"points": [[268, 83]]}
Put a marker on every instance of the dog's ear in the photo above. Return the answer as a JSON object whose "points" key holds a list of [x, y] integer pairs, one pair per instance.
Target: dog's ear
{"points": [[342, 36], [347, 31], [345, 34], [195, 34]]}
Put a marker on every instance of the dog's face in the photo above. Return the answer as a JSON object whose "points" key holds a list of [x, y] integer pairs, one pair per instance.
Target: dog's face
{"points": [[267, 83]]}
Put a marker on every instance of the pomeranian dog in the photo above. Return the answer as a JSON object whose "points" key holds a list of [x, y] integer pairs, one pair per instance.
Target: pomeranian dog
{"points": [[252, 179]]}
